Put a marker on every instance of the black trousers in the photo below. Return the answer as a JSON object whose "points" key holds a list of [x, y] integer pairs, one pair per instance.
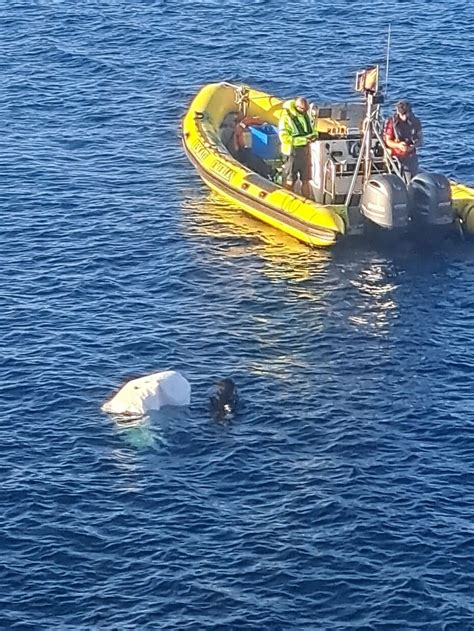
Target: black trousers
{"points": [[298, 164], [409, 165]]}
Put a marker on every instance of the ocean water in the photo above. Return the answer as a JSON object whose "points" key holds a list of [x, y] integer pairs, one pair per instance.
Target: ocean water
{"points": [[341, 496]]}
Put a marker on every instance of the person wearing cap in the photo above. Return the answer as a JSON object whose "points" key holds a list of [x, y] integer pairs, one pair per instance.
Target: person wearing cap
{"points": [[296, 130], [403, 135]]}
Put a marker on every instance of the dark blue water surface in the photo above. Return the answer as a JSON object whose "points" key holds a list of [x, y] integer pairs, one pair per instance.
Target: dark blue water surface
{"points": [[341, 497]]}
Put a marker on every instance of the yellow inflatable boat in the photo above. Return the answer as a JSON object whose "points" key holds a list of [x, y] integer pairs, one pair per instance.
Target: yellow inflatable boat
{"points": [[345, 195], [210, 116]]}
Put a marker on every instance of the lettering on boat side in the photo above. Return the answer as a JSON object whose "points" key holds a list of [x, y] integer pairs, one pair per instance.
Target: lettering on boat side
{"points": [[466, 209], [291, 203], [200, 150], [223, 170], [469, 207]]}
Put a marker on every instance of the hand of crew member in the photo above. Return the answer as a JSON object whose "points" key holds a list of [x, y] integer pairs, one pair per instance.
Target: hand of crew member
{"points": [[405, 148]]}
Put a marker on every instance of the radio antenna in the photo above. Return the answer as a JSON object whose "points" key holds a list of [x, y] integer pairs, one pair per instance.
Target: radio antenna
{"points": [[387, 62]]}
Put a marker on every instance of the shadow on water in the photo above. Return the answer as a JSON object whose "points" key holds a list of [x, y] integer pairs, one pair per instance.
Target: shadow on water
{"points": [[236, 234]]}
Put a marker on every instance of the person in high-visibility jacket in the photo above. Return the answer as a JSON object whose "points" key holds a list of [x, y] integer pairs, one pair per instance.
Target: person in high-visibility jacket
{"points": [[296, 130]]}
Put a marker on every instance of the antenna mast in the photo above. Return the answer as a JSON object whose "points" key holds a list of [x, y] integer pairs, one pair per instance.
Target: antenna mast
{"points": [[387, 63]]}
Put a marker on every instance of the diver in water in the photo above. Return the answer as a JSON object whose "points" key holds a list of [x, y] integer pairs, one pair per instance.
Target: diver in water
{"points": [[223, 400]]}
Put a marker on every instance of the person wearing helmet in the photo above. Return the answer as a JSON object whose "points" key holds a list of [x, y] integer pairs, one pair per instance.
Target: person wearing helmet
{"points": [[403, 135], [296, 130]]}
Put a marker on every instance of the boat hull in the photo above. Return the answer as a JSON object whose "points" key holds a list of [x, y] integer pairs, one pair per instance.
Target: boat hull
{"points": [[303, 219]]}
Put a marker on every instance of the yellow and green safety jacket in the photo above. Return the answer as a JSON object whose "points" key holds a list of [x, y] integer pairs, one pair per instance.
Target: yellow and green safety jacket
{"points": [[294, 128]]}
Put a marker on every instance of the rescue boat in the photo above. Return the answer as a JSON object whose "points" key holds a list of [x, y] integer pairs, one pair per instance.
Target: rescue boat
{"points": [[355, 185]]}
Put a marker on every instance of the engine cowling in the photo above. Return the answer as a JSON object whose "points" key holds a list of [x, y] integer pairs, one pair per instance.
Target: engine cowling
{"points": [[430, 201], [385, 202]]}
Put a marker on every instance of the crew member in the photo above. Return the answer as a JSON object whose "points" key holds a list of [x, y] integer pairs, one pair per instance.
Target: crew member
{"points": [[241, 147], [403, 135], [296, 131]]}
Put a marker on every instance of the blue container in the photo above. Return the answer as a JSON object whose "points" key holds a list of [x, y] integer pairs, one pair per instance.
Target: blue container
{"points": [[265, 141]]}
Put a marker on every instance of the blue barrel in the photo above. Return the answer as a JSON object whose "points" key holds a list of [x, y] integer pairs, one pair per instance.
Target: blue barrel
{"points": [[265, 141]]}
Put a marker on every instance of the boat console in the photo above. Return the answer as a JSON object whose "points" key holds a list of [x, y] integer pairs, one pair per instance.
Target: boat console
{"points": [[335, 155], [333, 165]]}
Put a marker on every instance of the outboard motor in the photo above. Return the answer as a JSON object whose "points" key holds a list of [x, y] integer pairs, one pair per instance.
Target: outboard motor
{"points": [[385, 202], [430, 203]]}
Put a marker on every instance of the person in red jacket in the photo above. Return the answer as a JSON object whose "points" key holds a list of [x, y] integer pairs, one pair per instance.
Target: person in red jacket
{"points": [[403, 135]]}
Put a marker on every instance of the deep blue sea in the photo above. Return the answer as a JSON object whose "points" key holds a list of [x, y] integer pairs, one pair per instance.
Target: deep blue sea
{"points": [[341, 497]]}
